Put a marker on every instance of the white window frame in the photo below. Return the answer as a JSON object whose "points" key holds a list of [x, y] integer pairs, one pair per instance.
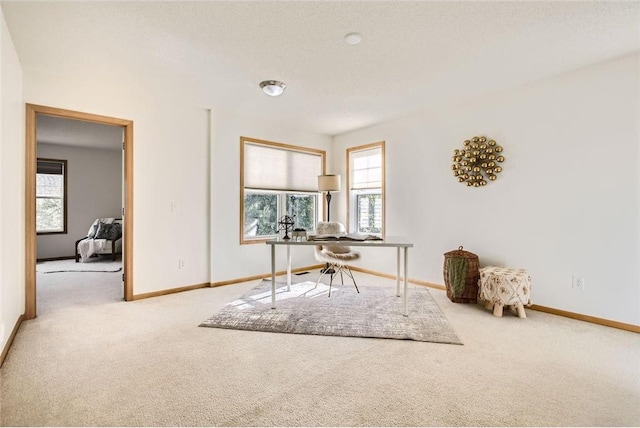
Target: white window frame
{"points": [[357, 194], [281, 210], [282, 193], [352, 193]]}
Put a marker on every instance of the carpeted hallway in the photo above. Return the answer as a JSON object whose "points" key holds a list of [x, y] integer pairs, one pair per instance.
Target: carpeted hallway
{"points": [[147, 363]]}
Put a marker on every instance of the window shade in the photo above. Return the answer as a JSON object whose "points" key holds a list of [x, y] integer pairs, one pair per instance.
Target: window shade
{"points": [[366, 169], [50, 167], [275, 168]]}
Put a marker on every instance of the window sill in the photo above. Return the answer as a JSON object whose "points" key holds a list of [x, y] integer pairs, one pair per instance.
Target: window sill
{"points": [[59, 232], [260, 240]]}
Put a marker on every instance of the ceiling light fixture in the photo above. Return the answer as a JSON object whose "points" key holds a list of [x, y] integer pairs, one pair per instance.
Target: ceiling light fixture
{"points": [[272, 88], [353, 38]]}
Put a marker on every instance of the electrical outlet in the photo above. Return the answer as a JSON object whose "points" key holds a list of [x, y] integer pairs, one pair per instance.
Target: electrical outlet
{"points": [[180, 264], [577, 282]]}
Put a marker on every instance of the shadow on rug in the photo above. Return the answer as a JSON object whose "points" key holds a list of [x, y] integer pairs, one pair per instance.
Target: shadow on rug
{"points": [[375, 312]]}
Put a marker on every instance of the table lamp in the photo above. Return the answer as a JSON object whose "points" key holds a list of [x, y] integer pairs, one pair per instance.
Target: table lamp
{"points": [[329, 183]]}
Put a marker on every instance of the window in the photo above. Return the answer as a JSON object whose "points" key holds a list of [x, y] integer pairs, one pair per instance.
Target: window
{"points": [[51, 196], [365, 175], [276, 180], [369, 212]]}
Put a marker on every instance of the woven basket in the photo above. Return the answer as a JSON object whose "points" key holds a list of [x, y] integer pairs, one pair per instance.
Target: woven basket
{"points": [[461, 275]]}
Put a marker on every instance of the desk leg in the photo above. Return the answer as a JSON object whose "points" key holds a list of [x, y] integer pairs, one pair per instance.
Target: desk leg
{"points": [[273, 277], [406, 278], [398, 274], [288, 267]]}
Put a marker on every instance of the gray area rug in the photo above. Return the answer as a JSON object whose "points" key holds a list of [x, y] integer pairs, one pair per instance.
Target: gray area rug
{"points": [[375, 312], [96, 264]]}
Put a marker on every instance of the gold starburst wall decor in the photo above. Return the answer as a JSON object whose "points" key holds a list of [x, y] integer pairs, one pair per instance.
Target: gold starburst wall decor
{"points": [[477, 161]]}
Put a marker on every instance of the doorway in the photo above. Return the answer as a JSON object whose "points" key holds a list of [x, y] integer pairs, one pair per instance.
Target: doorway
{"points": [[33, 112]]}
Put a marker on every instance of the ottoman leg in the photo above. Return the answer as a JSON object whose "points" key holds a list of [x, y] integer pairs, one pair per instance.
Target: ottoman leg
{"points": [[497, 309], [488, 305], [520, 310]]}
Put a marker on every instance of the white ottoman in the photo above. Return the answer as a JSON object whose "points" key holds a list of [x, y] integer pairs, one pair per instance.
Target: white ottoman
{"points": [[500, 286]]}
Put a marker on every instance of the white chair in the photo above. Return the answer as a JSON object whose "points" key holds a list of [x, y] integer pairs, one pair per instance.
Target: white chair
{"points": [[337, 257]]}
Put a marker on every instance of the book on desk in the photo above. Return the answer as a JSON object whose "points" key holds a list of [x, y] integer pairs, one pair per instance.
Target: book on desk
{"points": [[344, 237]]}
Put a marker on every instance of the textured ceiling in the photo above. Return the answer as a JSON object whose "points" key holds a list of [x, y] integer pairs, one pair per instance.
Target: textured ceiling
{"points": [[413, 54]]}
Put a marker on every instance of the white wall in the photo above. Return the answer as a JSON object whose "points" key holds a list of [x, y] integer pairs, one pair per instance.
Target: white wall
{"points": [[567, 202], [170, 168], [94, 189], [229, 259], [11, 186]]}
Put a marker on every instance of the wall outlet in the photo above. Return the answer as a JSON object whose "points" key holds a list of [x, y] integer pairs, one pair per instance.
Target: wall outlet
{"points": [[180, 264], [577, 282]]}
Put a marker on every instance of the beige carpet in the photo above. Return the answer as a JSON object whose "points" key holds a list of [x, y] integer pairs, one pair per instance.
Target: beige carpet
{"points": [[148, 363]]}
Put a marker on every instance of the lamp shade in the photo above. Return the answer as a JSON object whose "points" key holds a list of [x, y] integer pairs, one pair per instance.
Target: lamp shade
{"points": [[329, 183]]}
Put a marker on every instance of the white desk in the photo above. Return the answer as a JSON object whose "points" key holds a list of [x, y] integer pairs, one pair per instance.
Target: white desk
{"points": [[391, 241]]}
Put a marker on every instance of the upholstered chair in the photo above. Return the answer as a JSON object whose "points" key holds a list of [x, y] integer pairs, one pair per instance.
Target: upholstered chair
{"points": [[337, 257], [104, 237]]}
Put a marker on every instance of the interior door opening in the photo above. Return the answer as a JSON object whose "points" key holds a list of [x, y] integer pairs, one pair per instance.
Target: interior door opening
{"points": [[54, 214]]}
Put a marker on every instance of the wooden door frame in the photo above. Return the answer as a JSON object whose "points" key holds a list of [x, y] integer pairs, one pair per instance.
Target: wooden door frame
{"points": [[31, 146]]}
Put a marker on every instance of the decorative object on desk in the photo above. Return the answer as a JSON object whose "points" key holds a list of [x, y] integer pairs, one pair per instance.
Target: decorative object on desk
{"points": [[477, 161], [461, 274], [299, 234], [376, 313], [329, 183], [286, 223]]}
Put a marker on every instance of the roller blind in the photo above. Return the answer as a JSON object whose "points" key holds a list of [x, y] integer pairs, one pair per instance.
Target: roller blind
{"points": [[275, 168], [366, 169], [50, 167], [50, 178]]}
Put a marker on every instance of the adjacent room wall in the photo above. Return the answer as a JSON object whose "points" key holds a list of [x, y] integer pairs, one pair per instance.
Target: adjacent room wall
{"points": [[11, 186], [229, 259], [566, 204], [94, 189]]}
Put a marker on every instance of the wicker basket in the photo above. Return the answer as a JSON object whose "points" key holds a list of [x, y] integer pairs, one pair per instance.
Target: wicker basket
{"points": [[461, 275]]}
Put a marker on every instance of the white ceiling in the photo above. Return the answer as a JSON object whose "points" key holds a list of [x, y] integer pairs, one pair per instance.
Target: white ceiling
{"points": [[413, 55], [69, 132]]}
